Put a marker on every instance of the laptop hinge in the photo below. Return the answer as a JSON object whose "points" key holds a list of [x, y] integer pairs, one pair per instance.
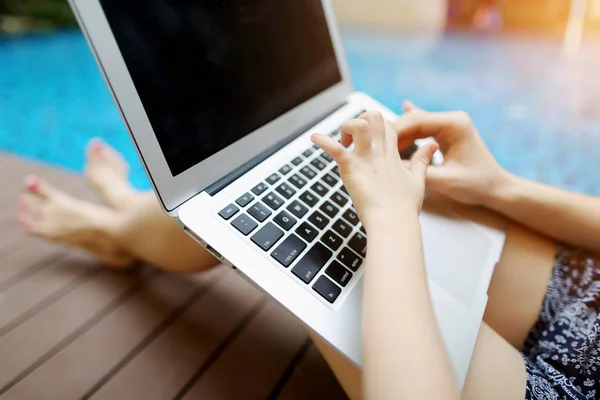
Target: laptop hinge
{"points": [[238, 172]]}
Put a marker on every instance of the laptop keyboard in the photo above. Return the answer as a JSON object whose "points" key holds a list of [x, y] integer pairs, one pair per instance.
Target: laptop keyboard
{"points": [[302, 216]]}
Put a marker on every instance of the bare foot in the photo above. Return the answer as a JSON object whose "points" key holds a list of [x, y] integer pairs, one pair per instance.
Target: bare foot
{"points": [[54, 215], [107, 173]]}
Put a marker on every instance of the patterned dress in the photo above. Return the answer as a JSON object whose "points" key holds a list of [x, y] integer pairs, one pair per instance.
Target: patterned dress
{"points": [[562, 351]]}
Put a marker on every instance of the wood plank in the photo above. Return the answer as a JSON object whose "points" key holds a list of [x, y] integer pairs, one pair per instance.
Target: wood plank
{"points": [[312, 379], [60, 323], [84, 362], [43, 287], [255, 360], [165, 366], [33, 255]]}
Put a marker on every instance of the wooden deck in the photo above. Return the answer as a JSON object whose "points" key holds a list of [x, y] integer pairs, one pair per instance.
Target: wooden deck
{"points": [[70, 329]]}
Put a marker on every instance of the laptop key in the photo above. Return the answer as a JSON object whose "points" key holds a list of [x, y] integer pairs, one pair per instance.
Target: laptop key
{"points": [[273, 201], [310, 265], [319, 220], [296, 161], [349, 259], [336, 170], [307, 152], [338, 273], [308, 172], [229, 211], [326, 156], [259, 189], [273, 178], [285, 170], [244, 224], [289, 250], [358, 243], [343, 189], [297, 209], [307, 232], [285, 220], [330, 180], [285, 190], [329, 209], [343, 228], [267, 236], [327, 289], [351, 216], [339, 199], [297, 181], [362, 229], [309, 198], [319, 189], [332, 240], [259, 211], [244, 200], [318, 164]]}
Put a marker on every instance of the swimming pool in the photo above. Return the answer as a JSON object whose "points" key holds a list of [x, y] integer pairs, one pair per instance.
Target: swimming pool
{"points": [[538, 113]]}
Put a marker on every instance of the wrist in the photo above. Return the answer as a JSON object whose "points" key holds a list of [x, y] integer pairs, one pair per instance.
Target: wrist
{"points": [[389, 220], [503, 188]]}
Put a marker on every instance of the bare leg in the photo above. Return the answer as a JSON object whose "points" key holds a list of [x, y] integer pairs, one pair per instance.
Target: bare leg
{"points": [[133, 229], [516, 293], [144, 230]]}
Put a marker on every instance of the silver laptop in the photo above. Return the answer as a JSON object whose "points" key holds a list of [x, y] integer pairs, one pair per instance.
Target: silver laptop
{"points": [[220, 98]]}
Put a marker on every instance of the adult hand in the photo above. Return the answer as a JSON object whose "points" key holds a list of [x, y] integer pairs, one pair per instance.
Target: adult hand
{"points": [[382, 188], [469, 174]]}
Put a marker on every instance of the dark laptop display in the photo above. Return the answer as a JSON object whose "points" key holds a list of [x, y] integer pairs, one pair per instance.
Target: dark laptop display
{"points": [[209, 72]]}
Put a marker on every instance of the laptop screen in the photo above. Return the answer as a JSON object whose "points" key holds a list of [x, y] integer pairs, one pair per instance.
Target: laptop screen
{"points": [[209, 72]]}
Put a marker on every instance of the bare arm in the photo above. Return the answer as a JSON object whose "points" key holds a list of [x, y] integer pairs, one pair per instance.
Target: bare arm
{"points": [[403, 347], [470, 175], [566, 217], [404, 355]]}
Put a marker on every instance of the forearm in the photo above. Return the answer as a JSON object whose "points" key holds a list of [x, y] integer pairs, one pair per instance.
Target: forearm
{"points": [[566, 217], [404, 355]]}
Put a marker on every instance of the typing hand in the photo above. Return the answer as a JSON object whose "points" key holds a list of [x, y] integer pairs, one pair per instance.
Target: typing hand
{"points": [[380, 185], [470, 174]]}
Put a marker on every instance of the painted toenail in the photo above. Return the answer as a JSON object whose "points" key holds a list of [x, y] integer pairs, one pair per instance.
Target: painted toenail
{"points": [[97, 147], [34, 184]]}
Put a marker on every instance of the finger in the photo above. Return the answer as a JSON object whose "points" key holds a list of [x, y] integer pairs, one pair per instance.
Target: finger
{"points": [[391, 139], [376, 130], [332, 147], [357, 130], [445, 127], [421, 160]]}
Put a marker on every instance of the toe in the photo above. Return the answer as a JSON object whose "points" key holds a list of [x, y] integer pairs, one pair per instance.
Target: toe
{"points": [[35, 185], [95, 146]]}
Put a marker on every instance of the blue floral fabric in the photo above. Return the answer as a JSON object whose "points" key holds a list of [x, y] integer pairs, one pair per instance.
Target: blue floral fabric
{"points": [[562, 351]]}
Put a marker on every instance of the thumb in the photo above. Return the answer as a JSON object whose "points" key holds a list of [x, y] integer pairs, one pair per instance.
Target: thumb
{"points": [[421, 160]]}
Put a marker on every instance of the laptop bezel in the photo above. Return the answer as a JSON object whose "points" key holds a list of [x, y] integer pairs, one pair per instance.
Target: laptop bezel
{"points": [[174, 191]]}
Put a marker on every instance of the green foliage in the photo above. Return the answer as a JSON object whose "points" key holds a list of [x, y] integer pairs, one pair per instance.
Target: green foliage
{"points": [[35, 14]]}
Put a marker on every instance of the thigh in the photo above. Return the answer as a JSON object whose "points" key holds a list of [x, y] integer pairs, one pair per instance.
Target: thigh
{"points": [[497, 370], [520, 279], [519, 284]]}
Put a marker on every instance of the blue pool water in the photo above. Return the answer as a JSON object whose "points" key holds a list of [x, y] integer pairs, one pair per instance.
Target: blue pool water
{"points": [[538, 113]]}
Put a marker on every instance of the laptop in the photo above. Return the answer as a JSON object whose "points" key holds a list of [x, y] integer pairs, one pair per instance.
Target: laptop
{"points": [[220, 97]]}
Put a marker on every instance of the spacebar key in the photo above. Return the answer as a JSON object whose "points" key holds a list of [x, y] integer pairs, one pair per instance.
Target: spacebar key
{"points": [[312, 262]]}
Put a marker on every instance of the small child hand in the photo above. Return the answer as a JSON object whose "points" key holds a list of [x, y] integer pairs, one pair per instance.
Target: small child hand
{"points": [[382, 188]]}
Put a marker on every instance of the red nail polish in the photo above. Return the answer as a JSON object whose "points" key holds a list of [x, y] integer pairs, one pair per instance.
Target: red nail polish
{"points": [[34, 185]]}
